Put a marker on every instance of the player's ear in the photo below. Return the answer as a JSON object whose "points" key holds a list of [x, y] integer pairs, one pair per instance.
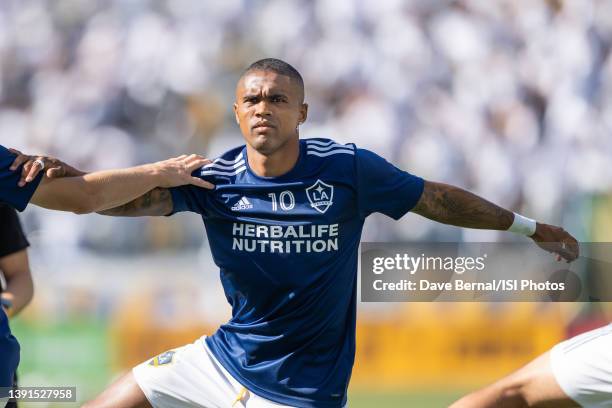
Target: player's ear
{"points": [[303, 113], [236, 113]]}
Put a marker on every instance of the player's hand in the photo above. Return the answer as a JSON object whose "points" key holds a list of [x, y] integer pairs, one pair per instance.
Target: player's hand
{"points": [[177, 171], [54, 168], [557, 241]]}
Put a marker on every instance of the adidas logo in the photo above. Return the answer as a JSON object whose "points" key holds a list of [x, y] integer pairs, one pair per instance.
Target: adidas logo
{"points": [[242, 204]]}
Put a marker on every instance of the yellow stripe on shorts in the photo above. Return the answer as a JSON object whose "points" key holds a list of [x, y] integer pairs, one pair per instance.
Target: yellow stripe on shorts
{"points": [[240, 396]]}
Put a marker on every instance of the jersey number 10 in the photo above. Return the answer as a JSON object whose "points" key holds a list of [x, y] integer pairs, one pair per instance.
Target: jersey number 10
{"points": [[286, 199]]}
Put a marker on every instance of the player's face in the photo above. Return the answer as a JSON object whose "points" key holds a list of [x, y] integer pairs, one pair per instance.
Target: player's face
{"points": [[269, 107]]}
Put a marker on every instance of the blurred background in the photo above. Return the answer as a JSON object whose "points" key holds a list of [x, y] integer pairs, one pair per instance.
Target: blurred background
{"points": [[509, 99]]}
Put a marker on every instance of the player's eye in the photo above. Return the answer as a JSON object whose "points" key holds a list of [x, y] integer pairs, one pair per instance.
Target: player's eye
{"points": [[277, 99]]}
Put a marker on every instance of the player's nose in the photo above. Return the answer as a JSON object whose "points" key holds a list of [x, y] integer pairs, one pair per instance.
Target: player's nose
{"points": [[262, 109]]}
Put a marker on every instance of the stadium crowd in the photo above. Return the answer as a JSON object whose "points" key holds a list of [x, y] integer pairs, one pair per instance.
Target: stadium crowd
{"points": [[511, 102]]}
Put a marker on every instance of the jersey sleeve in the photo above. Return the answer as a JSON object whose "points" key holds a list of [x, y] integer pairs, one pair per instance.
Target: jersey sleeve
{"points": [[383, 188], [189, 197], [10, 192], [12, 238]]}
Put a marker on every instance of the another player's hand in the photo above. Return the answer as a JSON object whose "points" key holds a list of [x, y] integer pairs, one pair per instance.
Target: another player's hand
{"points": [[177, 171], [54, 168], [557, 241]]}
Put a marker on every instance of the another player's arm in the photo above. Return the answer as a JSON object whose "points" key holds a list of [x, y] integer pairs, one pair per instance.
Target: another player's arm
{"points": [[111, 189], [453, 205], [19, 285], [53, 167], [95, 191]]}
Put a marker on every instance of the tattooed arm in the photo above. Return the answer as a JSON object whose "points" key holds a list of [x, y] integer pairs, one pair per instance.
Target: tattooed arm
{"points": [[452, 205], [156, 202]]}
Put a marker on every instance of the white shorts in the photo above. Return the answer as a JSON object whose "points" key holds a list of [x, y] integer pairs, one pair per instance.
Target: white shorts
{"points": [[582, 366], [190, 376]]}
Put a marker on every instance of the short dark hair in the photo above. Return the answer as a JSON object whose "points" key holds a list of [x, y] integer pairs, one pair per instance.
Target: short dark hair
{"points": [[279, 66]]}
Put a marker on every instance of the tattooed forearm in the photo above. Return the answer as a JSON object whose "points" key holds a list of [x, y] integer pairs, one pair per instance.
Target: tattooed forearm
{"points": [[156, 202], [455, 206]]}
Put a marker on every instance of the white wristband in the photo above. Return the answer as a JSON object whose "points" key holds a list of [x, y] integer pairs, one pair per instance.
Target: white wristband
{"points": [[523, 225]]}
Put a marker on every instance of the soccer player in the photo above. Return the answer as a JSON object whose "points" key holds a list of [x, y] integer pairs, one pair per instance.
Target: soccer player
{"points": [[575, 371], [16, 287], [82, 194], [284, 224]]}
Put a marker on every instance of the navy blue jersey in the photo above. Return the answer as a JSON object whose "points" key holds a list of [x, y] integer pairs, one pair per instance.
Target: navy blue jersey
{"points": [[10, 192], [12, 240], [287, 251], [17, 197], [9, 353]]}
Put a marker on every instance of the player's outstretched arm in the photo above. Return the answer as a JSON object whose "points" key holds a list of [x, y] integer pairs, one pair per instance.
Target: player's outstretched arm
{"points": [[452, 205], [99, 191], [157, 202]]}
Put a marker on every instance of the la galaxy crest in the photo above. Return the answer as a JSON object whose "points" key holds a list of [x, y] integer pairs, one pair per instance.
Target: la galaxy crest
{"points": [[162, 359], [321, 196]]}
